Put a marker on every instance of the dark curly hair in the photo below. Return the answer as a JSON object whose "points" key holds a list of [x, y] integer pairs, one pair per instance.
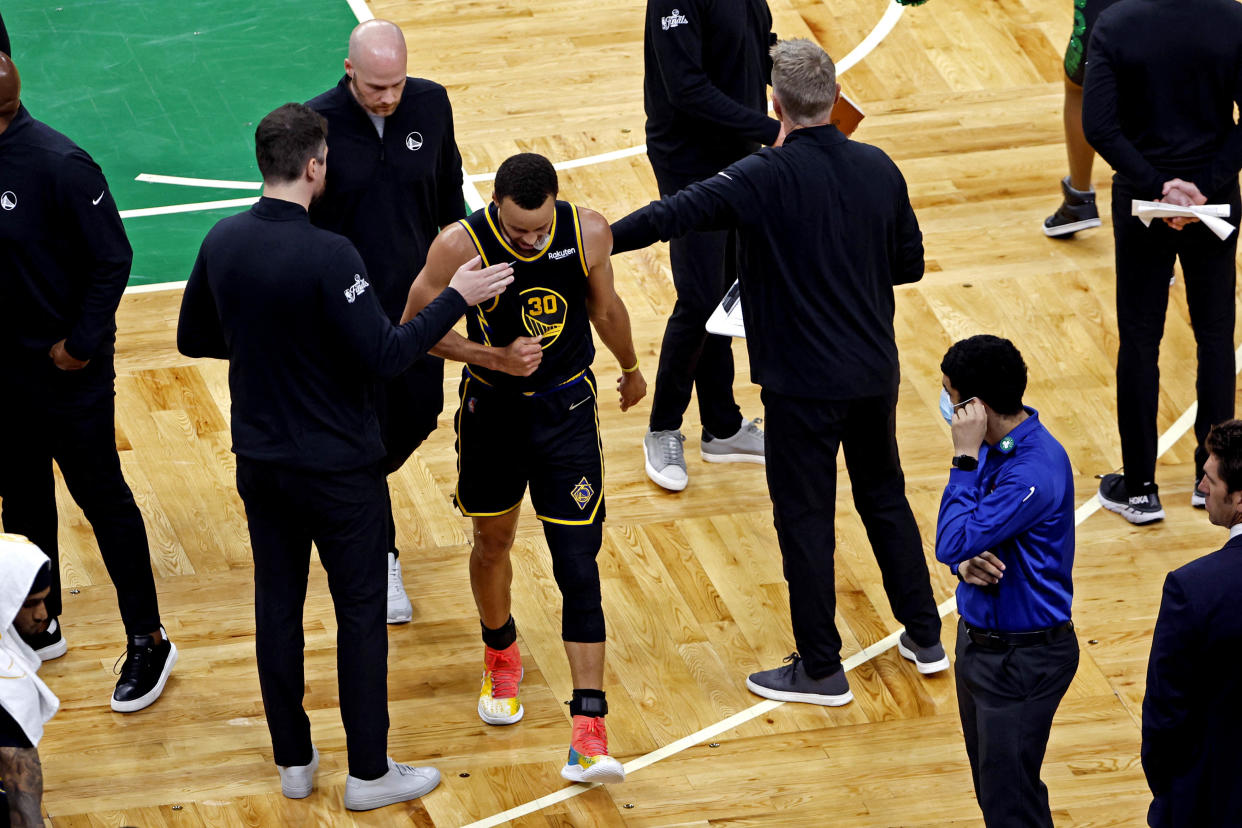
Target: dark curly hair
{"points": [[528, 178], [989, 368]]}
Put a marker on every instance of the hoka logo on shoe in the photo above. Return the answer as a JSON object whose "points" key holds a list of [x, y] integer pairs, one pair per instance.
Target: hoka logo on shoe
{"points": [[673, 20]]}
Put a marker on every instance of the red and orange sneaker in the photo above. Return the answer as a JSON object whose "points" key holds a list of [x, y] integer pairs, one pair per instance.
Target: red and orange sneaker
{"points": [[588, 754], [502, 673]]}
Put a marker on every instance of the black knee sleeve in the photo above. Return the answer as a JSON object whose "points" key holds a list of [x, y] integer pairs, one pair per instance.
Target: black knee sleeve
{"points": [[573, 551]]}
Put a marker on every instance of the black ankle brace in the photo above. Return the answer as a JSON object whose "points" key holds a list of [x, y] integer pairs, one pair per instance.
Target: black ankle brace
{"points": [[588, 703], [501, 637]]}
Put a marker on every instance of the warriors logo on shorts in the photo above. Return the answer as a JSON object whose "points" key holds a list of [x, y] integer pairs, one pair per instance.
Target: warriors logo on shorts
{"points": [[582, 493]]}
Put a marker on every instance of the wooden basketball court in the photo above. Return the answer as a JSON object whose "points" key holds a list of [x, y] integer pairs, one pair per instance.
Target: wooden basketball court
{"points": [[966, 97]]}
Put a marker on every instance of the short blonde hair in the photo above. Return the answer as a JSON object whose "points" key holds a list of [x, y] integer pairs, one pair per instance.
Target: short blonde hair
{"points": [[805, 80]]}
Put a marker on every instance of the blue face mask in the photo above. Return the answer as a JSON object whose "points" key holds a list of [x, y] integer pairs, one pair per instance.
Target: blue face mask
{"points": [[947, 407]]}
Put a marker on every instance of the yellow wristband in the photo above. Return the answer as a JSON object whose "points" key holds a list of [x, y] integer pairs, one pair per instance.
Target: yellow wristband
{"points": [[630, 370]]}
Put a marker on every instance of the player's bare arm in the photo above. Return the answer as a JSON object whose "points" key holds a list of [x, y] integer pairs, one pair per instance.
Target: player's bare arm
{"points": [[607, 311], [22, 773], [450, 251]]}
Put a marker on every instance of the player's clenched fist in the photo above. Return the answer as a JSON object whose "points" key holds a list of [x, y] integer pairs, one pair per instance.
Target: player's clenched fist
{"points": [[521, 356]]}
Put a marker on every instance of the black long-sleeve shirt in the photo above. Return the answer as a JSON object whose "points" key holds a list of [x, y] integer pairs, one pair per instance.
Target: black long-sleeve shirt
{"points": [[825, 229], [1162, 80], [292, 309], [706, 73], [390, 196], [64, 256]]}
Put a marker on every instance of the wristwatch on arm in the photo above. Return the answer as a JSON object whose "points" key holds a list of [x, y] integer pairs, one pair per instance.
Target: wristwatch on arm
{"points": [[965, 462]]}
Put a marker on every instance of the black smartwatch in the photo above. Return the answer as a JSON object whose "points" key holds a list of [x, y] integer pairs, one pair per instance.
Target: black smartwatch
{"points": [[965, 462]]}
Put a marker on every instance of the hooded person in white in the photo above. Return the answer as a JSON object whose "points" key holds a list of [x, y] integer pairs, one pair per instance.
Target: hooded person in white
{"points": [[23, 695]]}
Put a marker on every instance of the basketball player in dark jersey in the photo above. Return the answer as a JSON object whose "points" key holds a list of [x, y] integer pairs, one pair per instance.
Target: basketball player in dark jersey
{"points": [[528, 415]]}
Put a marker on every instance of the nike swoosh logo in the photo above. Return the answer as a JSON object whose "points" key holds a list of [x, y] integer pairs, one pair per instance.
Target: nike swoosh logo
{"points": [[97, 200], [1028, 495], [578, 403]]}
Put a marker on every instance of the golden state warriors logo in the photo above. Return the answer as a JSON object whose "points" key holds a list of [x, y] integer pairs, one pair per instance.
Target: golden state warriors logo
{"points": [[582, 493], [543, 313]]}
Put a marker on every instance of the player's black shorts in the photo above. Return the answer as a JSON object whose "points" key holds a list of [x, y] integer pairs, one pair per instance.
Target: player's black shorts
{"points": [[506, 439], [1085, 14]]}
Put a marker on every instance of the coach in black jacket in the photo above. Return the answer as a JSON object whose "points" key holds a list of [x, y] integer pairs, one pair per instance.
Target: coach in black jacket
{"points": [[64, 264], [1191, 726], [292, 309], [394, 181], [825, 230]]}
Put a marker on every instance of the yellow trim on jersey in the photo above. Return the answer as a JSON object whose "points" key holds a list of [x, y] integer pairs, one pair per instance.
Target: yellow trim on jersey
{"points": [[600, 444], [578, 235], [487, 214]]}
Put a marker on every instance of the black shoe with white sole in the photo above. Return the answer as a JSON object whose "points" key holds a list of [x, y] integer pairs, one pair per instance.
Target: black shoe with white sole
{"points": [[145, 672], [1138, 509], [48, 644], [1198, 498], [927, 660], [1077, 212]]}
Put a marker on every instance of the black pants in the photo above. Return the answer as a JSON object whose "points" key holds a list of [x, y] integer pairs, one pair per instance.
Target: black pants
{"points": [[1145, 258], [408, 407], [1006, 699], [802, 440], [704, 266], [69, 417], [343, 514]]}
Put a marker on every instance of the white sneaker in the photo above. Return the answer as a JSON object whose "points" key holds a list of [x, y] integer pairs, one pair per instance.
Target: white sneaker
{"points": [[400, 784], [400, 611], [666, 459], [746, 446], [297, 781]]}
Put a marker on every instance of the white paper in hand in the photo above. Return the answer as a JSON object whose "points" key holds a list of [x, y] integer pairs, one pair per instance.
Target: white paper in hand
{"points": [[726, 319], [1213, 215]]}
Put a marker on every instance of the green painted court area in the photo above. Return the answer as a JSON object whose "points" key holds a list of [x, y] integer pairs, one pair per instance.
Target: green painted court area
{"points": [[172, 87]]}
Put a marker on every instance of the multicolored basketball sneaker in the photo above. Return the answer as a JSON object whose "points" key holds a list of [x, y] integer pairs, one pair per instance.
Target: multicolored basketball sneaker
{"points": [[588, 754], [502, 673]]}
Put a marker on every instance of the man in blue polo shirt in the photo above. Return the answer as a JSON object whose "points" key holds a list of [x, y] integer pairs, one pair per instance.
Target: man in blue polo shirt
{"points": [[1006, 529]]}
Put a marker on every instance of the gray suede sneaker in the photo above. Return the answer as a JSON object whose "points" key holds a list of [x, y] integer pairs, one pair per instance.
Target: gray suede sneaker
{"points": [[666, 459], [746, 446], [927, 659], [792, 684], [297, 781]]}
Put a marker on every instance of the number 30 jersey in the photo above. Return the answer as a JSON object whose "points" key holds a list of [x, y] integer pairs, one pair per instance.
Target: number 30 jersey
{"points": [[547, 298]]}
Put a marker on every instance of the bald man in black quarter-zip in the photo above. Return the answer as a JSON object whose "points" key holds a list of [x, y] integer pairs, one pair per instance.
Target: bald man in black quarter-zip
{"points": [[395, 180], [706, 70]]}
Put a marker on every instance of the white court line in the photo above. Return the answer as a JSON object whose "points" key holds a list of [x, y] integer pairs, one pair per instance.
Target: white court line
{"points": [[219, 184], [189, 208], [1167, 440]]}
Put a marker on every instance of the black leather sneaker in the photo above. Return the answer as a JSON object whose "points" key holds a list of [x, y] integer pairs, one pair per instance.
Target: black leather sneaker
{"points": [[146, 670], [1077, 212], [48, 644]]}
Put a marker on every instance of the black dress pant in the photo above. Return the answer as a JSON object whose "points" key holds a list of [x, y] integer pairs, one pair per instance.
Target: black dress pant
{"points": [[704, 266], [1006, 699], [408, 407], [802, 439], [1145, 257], [343, 514], [69, 416]]}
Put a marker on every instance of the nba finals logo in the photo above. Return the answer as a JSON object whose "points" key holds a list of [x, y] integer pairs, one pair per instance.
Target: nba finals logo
{"points": [[674, 20], [543, 313]]}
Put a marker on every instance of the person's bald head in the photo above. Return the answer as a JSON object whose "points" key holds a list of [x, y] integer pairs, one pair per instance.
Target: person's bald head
{"points": [[10, 91], [376, 65]]}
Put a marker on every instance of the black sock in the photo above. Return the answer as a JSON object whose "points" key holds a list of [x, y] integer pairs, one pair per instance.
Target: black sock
{"points": [[501, 637], [588, 703]]}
